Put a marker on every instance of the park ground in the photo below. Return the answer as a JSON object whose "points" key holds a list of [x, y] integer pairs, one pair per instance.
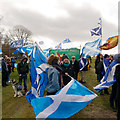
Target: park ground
{"points": [[20, 108]]}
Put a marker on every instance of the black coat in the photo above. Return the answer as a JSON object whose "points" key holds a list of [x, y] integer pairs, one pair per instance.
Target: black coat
{"points": [[22, 68], [75, 67], [68, 70]]}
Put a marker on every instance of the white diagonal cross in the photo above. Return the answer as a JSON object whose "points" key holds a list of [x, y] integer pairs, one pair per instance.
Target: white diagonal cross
{"points": [[63, 97]]}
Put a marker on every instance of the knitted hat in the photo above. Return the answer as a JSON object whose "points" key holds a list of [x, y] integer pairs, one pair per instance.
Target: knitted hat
{"points": [[64, 56]]}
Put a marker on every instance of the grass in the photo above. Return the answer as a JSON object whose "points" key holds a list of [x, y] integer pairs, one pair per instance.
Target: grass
{"points": [[20, 108]]}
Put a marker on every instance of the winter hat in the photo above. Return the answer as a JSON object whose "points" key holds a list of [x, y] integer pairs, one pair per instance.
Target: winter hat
{"points": [[64, 56]]}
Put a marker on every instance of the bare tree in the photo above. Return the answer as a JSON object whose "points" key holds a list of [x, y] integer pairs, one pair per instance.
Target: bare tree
{"points": [[19, 32]]}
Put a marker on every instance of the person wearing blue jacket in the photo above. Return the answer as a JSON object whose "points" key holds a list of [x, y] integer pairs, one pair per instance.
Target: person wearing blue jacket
{"points": [[54, 75]]}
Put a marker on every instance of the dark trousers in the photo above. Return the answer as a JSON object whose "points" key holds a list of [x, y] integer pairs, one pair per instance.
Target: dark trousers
{"points": [[118, 102], [4, 78], [23, 76], [113, 96]]}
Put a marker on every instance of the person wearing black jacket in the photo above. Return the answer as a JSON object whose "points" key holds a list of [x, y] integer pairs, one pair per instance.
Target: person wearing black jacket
{"points": [[23, 70], [4, 71], [75, 67], [66, 70], [117, 76]]}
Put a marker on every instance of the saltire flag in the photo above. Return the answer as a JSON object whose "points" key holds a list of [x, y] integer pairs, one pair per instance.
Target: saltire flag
{"points": [[66, 41], [19, 50], [46, 51], [96, 31], [106, 63], [83, 63], [59, 46], [69, 100], [29, 50], [109, 77], [91, 48], [110, 43], [16, 44], [38, 72]]}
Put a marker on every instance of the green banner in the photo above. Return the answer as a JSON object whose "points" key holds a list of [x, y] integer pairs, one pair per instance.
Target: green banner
{"points": [[70, 52]]}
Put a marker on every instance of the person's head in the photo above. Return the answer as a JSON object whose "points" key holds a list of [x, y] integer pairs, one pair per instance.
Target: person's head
{"points": [[111, 57], [73, 58], [24, 59], [106, 56], [5, 57], [64, 56], [117, 57], [53, 59], [66, 60]]}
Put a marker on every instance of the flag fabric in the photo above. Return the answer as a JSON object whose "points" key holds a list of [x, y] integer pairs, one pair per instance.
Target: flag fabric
{"points": [[46, 51], [111, 43], [19, 50], [106, 63], [109, 77], [29, 50], [69, 100], [16, 44], [38, 72], [0, 52], [83, 63], [91, 48], [96, 31], [66, 41], [59, 46]]}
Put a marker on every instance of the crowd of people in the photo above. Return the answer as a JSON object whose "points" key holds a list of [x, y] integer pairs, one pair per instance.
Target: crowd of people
{"points": [[59, 73]]}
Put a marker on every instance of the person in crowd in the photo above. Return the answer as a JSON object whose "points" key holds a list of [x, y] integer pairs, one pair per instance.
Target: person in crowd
{"points": [[117, 76], [99, 67], [23, 70], [83, 68], [106, 63], [113, 101], [4, 71], [9, 65], [66, 69], [75, 67], [13, 61], [54, 75]]}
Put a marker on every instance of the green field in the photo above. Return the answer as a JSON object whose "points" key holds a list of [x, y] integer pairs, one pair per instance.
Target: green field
{"points": [[20, 108]]}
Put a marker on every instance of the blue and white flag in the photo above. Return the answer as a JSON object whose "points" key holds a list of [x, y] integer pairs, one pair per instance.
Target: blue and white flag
{"points": [[91, 48], [16, 44], [96, 31], [69, 100], [109, 77], [29, 50], [106, 63], [100, 21], [38, 72], [46, 51], [66, 41], [59, 46], [83, 63]]}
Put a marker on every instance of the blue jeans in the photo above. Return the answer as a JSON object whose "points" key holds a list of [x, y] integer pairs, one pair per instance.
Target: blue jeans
{"points": [[23, 76]]}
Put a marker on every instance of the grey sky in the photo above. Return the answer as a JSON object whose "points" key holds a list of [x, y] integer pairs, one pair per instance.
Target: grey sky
{"points": [[57, 21]]}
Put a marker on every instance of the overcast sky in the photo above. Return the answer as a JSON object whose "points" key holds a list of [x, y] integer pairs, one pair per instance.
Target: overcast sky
{"points": [[52, 21]]}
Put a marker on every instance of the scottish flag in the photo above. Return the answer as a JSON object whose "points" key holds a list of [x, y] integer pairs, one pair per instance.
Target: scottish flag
{"points": [[38, 72], [66, 41], [109, 77], [19, 50], [16, 44], [96, 31], [59, 46], [83, 63], [29, 50], [91, 48], [46, 51], [100, 21], [69, 100], [106, 63]]}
